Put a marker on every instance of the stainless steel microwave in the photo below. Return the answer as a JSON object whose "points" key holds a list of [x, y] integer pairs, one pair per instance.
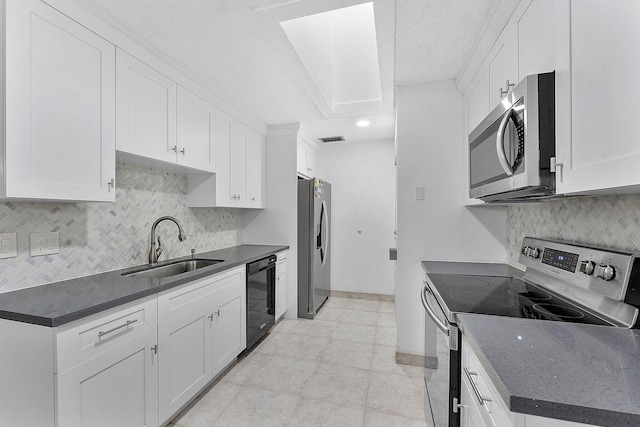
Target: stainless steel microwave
{"points": [[511, 150]]}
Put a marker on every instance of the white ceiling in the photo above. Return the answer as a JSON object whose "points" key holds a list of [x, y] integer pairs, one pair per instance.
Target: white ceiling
{"points": [[240, 50]]}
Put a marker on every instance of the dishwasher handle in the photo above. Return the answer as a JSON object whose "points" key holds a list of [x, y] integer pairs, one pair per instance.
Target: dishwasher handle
{"points": [[439, 323]]}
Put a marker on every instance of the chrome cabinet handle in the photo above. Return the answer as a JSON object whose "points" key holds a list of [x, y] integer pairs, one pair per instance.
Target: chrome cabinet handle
{"points": [[474, 386], [210, 317], [124, 325], [111, 184], [218, 313], [509, 86], [502, 157], [183, 151], [175, 149], [154, 349], [443, 327]]}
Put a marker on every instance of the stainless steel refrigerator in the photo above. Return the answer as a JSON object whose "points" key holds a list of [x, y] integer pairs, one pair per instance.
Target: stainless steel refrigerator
{"points": [[314, 222]]}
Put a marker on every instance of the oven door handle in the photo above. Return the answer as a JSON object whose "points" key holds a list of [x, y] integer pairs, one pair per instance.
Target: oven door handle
{"points": [[502, 157], [439, 323]]}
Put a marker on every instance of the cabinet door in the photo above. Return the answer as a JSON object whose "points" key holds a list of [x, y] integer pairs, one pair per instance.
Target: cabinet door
{"points": [[184, 357], [224, 135], [478, 98], [60, 97], [282, 296], [311, 162], [503, 65], [239, 164], [145, 110], [255, 170], [229, 313], [536, 39], [601, 149], [301, 158], [118, 388], [195, 131]]}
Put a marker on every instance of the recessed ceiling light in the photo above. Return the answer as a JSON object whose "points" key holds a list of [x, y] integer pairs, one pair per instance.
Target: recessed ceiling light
{"points": [[363, 123]]}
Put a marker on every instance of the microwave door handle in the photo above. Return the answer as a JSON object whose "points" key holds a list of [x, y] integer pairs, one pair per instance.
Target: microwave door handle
{"points": [[502, 157]]}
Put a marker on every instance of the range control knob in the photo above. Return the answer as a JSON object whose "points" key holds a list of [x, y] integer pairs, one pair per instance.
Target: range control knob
{"points": [[534, 252], [605, 272], [587, 267]]}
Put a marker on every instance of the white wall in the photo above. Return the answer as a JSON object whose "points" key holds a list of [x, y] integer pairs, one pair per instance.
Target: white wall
{"points": [[430, 143], [363, 177], [277, 224]]}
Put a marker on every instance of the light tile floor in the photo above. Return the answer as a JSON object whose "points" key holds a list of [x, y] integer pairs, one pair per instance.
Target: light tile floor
{"points": [[336, 370]]}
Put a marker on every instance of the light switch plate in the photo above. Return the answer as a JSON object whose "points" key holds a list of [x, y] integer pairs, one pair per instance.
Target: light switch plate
{"points": [[8, 245], [419, 193], [44, 243]]}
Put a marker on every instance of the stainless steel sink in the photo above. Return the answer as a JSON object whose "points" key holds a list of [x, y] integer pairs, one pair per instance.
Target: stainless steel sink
{"points": [[173, 269]]}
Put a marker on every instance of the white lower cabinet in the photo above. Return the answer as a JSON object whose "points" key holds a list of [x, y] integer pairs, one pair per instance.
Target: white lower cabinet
{"points": [[117, 388], [202, 330], [134, 365], [282, 291], [184, 362], [229, 321]]}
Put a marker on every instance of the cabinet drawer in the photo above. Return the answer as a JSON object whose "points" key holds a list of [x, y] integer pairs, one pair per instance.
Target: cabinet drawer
{"points": [[84, 339], [175, 302]]}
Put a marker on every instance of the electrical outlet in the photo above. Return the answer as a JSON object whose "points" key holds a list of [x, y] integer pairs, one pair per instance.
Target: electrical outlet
{"points": [[44, 243], [8, 245], [512, 236], [191, 228]]}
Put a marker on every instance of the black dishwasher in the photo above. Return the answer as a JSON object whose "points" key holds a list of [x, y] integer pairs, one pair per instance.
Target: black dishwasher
{"points": [[261, 283]]}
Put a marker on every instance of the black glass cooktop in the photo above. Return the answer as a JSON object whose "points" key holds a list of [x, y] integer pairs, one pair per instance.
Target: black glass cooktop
{"points": [[506, 296]]}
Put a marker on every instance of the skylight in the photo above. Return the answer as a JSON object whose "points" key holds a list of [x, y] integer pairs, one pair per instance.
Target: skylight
{"points": [[340, 52]]}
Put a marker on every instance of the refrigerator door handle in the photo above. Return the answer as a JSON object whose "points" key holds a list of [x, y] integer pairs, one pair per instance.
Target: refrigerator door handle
{"points": [[324, 230]]}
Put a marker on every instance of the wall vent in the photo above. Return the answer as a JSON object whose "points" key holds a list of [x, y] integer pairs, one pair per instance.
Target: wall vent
{"points": [[332, 139]]}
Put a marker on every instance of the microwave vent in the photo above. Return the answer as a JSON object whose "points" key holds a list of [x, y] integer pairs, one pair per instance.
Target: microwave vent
{"points": [[332, 139]]}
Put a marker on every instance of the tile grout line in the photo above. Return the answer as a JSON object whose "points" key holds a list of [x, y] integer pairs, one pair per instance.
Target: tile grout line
{"points": [[227, 405], [373, 349]]}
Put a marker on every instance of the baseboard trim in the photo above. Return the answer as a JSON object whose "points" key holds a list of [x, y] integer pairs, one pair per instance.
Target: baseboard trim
{"points": [[410, 359], [362, 295]]}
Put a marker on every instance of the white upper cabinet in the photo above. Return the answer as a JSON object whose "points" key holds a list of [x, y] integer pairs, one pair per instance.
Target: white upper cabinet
{"points": [[59, 141], [598, 144], [255, 170], [503, 66], [239, 165], [306, 159], [195, 131], [478, 99], [536, 38], [145, 110], [160, 120], [221, 194]]}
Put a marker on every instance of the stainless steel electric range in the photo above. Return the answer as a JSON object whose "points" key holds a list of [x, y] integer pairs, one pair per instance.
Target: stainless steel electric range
{"points": [[563, 282]]}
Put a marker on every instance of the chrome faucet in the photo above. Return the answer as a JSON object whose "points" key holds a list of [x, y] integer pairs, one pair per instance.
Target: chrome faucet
{"points": [[154, 252]]}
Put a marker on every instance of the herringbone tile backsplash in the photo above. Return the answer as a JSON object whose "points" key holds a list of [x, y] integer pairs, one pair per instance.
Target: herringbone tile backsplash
{"points": [[608, 221], [99, 237]]}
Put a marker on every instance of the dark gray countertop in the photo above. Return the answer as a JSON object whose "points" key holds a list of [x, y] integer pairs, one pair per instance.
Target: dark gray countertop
{"points": [[471, 268], [58, 303], [569, 371]]}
